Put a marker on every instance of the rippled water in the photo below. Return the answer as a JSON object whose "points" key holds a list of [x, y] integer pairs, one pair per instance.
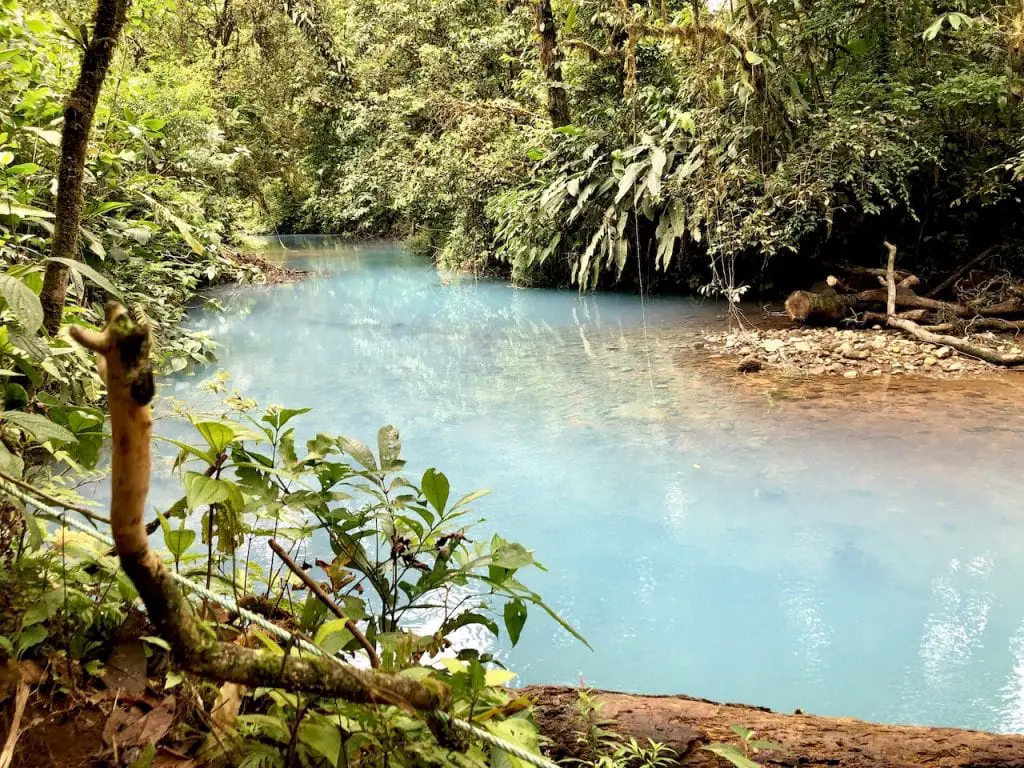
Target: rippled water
{"points": [[846, 548]]}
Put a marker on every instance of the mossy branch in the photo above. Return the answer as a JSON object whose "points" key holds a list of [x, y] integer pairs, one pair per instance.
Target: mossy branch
{"points": [[123, 351]]}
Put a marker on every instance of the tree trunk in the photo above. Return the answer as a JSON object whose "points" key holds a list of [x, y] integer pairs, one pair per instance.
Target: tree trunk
{"points": [[551, 64], [79, 111], [817, 305], [687, 724]]}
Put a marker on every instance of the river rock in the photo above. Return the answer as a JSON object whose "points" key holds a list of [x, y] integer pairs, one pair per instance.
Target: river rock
{"points": [[749, 365], [942, 353], [772, 345], [856, 354], [850, 374], [929, 361]]}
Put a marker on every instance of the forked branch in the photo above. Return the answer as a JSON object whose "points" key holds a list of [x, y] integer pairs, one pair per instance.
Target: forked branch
{"points": [[123, 351]]}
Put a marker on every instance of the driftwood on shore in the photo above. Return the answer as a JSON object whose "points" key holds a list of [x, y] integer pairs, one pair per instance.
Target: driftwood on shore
{"points": [[687, 724], [924, 317]]}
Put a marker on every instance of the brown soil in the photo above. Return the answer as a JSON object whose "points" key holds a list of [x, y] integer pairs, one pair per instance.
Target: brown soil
{"points": [[687, 724]]}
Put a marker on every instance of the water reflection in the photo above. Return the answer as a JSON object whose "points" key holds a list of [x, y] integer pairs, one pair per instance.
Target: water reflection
{"points": [[847, 548]]}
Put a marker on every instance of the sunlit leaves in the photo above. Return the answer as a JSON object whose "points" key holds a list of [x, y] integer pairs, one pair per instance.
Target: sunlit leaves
{"points": [[23, 302]]}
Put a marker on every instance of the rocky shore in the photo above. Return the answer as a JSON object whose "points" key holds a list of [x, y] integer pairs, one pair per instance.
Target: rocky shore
{"points": [[847, 353]]}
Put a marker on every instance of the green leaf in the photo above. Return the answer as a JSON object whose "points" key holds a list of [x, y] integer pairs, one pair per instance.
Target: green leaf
{"points": [[359, 451], [9, 463], [32, 636], [159, 642], [23, 302], [173, 678], [6, 158], [753, 59], [389, 446], [512, 556], [322, 738], [217, 434], [733, 754], [40, 427], [50, 137], [629, 179], [178, 542], [435, 489], [201, 491], [7, 208], [86, 271], [22, 169], [515, 618], [743, 733], [469, 498]]}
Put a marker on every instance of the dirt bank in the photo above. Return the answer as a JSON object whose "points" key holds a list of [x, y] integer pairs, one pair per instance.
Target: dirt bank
{"points": [[687, 724]]}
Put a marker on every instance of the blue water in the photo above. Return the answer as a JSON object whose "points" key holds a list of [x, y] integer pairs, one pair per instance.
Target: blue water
{"points": [[849, 551]]}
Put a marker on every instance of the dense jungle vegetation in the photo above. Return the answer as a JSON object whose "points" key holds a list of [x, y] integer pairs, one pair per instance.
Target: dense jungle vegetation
{"points": [[715, 147]]}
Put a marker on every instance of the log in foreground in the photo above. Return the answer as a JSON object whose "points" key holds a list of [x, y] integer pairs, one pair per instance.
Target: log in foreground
{"points": [[123, 351], [687, 724]]}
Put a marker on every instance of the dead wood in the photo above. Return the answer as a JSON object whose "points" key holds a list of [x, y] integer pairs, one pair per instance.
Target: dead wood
{"points": [[987, 354], [821, 304], [686, 724], [123, 349], [324, 598], [949, 281]]}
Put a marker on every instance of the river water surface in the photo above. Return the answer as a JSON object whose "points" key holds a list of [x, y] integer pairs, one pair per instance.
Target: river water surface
{"points": [[845, 548]]}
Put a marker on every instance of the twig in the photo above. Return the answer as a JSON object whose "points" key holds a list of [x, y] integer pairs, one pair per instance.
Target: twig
{"points": [[962, 271], [29, 488], [324, 598], [12, 735]]}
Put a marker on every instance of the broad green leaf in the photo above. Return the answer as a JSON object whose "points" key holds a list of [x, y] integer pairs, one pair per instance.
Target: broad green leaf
{"points": [[359, 451], [9, 463], [179, 541], [217, 434], [201, 491], [629, 179], [496, 677], [435, 489], [7, 208], [6, 158], [50, 137], [753, 58], [86, 271], [22, 169], [512, 556], [389, 446], [733, 754], [32, 636], [159, 642], [40, 427], [515, 618], [322, 738], [23, 302]]}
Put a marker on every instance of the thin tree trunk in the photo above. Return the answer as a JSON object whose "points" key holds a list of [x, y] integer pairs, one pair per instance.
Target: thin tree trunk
{"points": [[79, 111], [551, 64]]}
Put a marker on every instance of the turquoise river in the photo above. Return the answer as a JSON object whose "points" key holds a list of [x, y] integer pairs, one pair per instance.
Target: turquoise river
{"points": [[848, 548]]}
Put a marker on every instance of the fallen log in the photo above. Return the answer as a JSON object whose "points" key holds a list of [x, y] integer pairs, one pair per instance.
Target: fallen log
{"points": [[821, 304], [686, 724], [987, 354]]}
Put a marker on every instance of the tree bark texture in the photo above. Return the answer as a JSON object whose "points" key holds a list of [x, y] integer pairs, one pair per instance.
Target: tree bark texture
{"points": [[79, 111], [551, 64]]}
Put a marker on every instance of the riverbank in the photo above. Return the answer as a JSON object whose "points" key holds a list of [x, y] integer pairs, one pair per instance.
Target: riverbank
{"points": [[851, 354], [688, 725]]}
